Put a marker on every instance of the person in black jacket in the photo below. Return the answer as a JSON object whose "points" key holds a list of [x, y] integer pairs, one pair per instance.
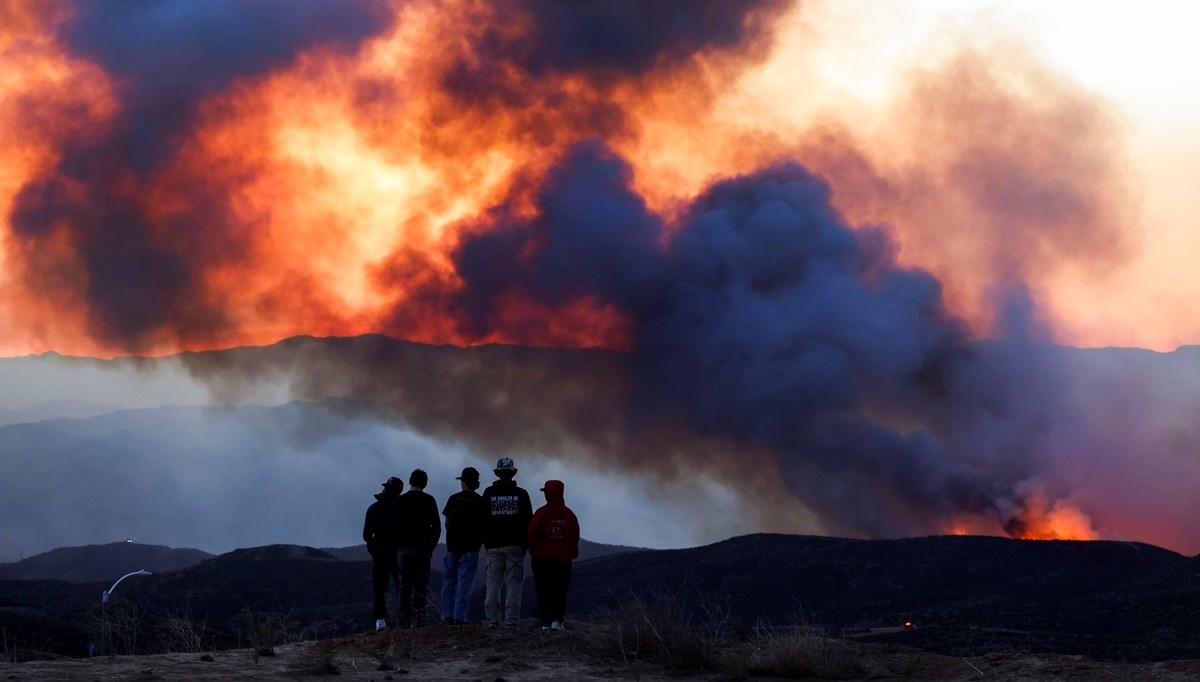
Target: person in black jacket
{"points": [[505, 534], [464, 514], [380, 536], [418, 529]]}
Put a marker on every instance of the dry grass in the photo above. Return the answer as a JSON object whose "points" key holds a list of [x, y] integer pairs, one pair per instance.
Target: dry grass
{"points": [[15, 649], [643, 635], [180, 632], [801, 652], [662, 630], [319, 659], [264, 631]]}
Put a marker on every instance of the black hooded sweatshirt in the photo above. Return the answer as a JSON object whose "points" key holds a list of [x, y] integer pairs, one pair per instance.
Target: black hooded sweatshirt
{"points": [[418, 525], [509, 512], [465, 519], [379, 529]]}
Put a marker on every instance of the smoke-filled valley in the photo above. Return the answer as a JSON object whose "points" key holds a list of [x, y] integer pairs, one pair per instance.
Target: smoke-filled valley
{"points": [[248, 473]]}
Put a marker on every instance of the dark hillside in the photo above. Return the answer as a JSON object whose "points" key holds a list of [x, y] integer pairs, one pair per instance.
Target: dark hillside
{"points": [[966, 595], [97, 563]]}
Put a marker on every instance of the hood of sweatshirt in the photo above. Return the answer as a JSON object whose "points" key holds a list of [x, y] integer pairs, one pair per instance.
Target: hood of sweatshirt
{"points": [[554, 492]]}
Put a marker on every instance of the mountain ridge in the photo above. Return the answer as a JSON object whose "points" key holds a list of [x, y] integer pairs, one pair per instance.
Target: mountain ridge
{"points": [[966, 595]]}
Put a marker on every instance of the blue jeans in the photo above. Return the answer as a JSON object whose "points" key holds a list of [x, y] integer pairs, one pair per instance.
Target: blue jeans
{"points": [[457, 575]]}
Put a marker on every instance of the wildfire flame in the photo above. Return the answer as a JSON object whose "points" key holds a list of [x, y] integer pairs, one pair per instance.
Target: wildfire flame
{"points": [[1034, 515]]}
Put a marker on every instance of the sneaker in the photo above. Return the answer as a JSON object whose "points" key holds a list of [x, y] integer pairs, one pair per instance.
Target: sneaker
{"points": [[545, 627], [557, 626], [380, 624], [493, 625]]}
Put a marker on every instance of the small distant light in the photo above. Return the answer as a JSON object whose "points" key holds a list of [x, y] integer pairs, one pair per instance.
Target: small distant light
{"points": [[128, 539], [908, 624]]}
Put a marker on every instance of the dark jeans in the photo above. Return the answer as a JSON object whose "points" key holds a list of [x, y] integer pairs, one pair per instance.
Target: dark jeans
{"points": [[414, 585], [551, 580], [383, 570]]}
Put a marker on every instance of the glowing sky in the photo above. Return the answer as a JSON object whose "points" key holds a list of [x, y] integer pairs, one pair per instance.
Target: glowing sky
{"points": [[1141, 58], [340, 184]]}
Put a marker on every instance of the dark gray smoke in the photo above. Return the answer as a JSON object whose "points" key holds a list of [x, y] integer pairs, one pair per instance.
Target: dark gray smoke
{"points": [[167, 55], [605, 40], [632, 36], [765, 319]]}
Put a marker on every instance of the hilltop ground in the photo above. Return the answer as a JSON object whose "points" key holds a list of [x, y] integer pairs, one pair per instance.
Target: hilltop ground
{"points": [[585, 653]]}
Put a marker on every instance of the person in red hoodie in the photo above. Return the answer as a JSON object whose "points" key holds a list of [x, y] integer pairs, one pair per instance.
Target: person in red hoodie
{"points": [[553, 545]]}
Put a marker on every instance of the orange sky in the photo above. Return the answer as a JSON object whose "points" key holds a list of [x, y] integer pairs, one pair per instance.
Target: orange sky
{"points": [[895, 103]]}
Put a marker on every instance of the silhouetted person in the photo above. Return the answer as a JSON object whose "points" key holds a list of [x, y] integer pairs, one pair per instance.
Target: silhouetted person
{"points": [[505, 534], [465, 516], [418, 529], [379, 532], [553, 545]]}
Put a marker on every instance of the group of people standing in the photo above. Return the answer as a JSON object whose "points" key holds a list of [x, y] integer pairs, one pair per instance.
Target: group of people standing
{"points": [[403, 528]]}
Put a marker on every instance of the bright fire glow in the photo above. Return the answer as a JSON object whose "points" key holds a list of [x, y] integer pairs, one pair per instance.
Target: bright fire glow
{"points": [[349, 174]]}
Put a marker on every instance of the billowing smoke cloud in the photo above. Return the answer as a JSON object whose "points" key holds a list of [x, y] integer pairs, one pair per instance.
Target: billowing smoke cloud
{"points": [[774, 348], [1000, 176], [87, 229], [624, 37], [138, 226], [166, 56], [250, 171], [763, 318]]}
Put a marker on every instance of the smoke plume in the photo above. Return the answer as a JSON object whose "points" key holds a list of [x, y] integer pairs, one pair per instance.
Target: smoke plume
{"points": [[806, 310], [764, 319]]}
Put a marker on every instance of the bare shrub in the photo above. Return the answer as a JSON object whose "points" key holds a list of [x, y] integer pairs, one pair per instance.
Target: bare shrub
{"points": [[8, 647], [663, 629], [180, 632], [265, 631], [16, 647], [115, 627], [318, 659], [802, 651]]}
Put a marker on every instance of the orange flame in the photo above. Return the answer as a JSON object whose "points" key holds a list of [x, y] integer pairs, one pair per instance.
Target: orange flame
{"points": [[1034, 516], [1061, 520]]}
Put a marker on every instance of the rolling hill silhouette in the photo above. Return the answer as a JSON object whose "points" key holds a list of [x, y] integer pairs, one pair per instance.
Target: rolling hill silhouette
{"points": [[966, 595], [97, 563]]}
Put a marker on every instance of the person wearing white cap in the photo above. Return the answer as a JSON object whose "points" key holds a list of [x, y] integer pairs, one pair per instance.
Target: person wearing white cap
{"points": [[505, 534]]}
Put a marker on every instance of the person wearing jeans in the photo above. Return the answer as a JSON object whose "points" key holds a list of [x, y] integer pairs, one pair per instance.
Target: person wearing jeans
{"points": [[464, 513], [505, 534]]}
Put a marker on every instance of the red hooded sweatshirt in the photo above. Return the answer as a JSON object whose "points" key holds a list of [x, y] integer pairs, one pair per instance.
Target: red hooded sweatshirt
{"points": [[554, 530]]}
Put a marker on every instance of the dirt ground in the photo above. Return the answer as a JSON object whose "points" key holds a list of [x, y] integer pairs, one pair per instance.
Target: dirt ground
{"points": [[471, 653]]}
